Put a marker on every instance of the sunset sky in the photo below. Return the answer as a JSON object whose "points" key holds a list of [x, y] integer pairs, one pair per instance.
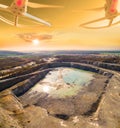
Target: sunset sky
{"points": [[65, 33]]}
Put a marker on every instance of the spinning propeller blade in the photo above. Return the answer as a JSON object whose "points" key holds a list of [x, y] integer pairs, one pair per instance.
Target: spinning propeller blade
{"points": [[35, 5], [4, 7], [36, 19], [96, 9], [30, 4], [100, 19], [6, 20], [102, 26], [93, 21]]}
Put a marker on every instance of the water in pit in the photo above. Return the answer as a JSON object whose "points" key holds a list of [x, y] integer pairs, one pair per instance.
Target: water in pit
{"points": [[62, 82]]}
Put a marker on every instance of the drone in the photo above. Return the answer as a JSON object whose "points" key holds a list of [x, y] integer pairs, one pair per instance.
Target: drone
{"points": [[18, 8], [111, 12]]}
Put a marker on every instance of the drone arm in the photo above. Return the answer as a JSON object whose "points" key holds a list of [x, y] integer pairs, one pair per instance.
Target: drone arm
{"points": [[36, 19]]}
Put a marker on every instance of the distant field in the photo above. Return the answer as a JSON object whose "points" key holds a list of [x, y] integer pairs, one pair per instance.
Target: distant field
{"points": [[9, 62], [111, 53], [10, 53]]}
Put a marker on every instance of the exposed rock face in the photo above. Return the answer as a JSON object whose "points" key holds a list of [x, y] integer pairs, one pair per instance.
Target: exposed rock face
{"points": [[10, 102], [107, 62], [7, 121], [4, 84], [9, 106]]}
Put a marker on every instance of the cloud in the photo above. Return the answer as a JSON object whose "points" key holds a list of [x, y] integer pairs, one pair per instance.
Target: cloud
{"points": [[28, 37]]}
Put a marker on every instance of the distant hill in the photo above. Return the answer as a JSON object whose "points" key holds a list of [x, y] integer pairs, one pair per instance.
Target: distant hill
{"points": [[49, 53], [10, 53], [63, 52]]}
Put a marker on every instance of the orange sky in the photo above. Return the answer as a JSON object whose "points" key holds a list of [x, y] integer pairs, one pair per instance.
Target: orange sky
{"points": [[65, 31]]}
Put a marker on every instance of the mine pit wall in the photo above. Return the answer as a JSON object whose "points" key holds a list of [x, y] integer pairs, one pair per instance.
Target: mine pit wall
{"points": [[23, 72], [28, 85], [33, 80], [8, 83], [82, 67], [115, 67], [11, 82]]}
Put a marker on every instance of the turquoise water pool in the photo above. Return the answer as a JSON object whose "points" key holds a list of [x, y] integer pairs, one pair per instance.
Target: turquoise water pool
{"points": [[62, 82]]}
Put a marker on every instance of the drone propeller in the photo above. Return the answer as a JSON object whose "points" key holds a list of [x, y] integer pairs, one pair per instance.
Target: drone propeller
{"points": [[36, 19], [110, 24], [26, 15], [30, 4], [6, 20], [6, 8], [101, 26], [36, 5], [100, 19], [10, 22], [2, 6], [93, 21], [96, 9]]}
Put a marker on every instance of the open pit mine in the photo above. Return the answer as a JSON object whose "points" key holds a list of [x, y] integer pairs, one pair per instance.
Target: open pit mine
{"points": [[61, 91]]}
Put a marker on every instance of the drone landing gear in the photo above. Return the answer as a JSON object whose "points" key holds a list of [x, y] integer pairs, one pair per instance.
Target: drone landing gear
{"points": [[16, 21]]}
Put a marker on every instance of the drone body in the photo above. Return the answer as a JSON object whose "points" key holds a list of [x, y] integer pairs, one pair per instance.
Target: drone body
{"points": [[111, 12], [18, 7], [111, 8]]}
